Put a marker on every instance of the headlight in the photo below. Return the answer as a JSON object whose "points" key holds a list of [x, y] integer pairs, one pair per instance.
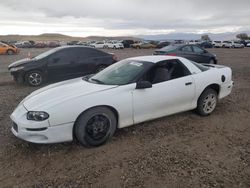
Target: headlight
{"points": [[37, 116], [15, 69]]}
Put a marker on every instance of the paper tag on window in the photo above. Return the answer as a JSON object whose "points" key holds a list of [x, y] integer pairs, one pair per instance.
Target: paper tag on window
{"points": [[136, 64]]}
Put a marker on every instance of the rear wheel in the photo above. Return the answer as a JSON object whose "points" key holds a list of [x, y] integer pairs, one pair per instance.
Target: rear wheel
{"points": [[95, 126], [207, 102], [34, 78]]}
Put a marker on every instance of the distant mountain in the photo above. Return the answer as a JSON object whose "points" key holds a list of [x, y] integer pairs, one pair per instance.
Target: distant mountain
{"points": [[42, 37], [60, 37], [191, 36], [160, 37], [100, 38]]}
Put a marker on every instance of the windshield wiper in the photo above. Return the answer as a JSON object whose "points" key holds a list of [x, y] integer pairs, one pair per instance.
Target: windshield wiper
{"points": [[97, 81]]}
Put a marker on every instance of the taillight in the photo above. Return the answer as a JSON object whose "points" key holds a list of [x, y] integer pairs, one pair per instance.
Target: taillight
{"points": [[171, 54]]}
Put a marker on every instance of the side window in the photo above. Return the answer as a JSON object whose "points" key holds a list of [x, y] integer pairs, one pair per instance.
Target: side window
{"points": [[197, 49], [165, 71], [63, 57], [89, 53], [186, 49]]}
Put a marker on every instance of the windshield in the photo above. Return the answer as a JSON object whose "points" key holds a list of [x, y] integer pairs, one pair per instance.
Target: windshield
{"points": [[45, 54], [121, 73]]}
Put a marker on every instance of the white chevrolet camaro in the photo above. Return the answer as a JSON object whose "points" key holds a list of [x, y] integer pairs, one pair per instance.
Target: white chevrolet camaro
{"points": [[128, 92]]}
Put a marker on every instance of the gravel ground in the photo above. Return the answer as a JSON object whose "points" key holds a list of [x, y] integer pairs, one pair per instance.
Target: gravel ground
{"points": [[182, 150]]}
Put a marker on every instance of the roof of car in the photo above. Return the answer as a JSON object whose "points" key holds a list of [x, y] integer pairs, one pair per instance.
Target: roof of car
{"points": [[154, 58]]}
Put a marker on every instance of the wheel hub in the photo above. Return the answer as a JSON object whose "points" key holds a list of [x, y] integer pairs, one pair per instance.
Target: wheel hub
{"points": [[35, 78], [97, 127]]}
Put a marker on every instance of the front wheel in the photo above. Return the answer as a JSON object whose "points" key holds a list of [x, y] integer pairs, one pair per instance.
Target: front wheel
{"points": [[10, 52], [95, 126], [207, 102], [34, 78]]}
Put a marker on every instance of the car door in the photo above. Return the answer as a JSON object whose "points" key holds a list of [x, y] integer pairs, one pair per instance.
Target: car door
{"points": [[88, 61], [186, 51], [62, 64], [164, 98], [200, 55]]}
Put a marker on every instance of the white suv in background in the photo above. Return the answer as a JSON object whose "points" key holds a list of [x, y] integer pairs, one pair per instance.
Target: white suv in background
{"points": [[99, 44], [115, 45], [232, 44], [217, 44]]}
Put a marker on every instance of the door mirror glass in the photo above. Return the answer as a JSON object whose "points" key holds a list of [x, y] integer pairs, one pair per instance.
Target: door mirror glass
{"points": [[143, 85]]}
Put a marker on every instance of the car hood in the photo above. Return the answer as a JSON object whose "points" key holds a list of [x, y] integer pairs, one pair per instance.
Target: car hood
{"points": [[20, 62], [54, 94]]}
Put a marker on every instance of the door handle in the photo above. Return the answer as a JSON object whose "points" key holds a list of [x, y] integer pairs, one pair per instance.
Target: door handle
{"points": [[188, 83]]}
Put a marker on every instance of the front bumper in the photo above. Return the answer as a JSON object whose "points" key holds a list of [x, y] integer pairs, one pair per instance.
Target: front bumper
{"points": [[39, 132], [18, 76]]}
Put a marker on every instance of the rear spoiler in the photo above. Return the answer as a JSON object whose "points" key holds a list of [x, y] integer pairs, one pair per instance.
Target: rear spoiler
{"points": [[212, 65]]}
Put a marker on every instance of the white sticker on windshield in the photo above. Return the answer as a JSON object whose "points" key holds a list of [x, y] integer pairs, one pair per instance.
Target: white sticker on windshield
{"points": [[136, 64]]}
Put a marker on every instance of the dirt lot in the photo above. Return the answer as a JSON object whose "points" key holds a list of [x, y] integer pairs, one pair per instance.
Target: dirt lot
{"points": [[183, 150]]}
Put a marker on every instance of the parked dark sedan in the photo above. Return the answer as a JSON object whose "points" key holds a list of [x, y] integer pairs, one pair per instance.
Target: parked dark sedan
{"points": [[59, 64], [189, 51], [127, 43], [163, 44], [206, 44]]}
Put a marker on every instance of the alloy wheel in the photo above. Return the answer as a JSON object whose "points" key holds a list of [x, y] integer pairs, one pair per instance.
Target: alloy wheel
{"points": [[209, 103], [35, 79], [98, 126]]}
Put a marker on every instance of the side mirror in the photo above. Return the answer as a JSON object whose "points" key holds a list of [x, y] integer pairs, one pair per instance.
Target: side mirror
{"points": [[143, 85], [205, 51]]}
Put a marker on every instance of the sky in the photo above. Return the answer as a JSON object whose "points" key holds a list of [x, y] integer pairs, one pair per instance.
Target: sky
{"points": [[123, 17]]}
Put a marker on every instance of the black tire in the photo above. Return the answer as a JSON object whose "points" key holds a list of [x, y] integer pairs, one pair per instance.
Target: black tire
{"points": [[207, 102], [34, 78], [212, 61], [90, 129], [10, 52]]}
